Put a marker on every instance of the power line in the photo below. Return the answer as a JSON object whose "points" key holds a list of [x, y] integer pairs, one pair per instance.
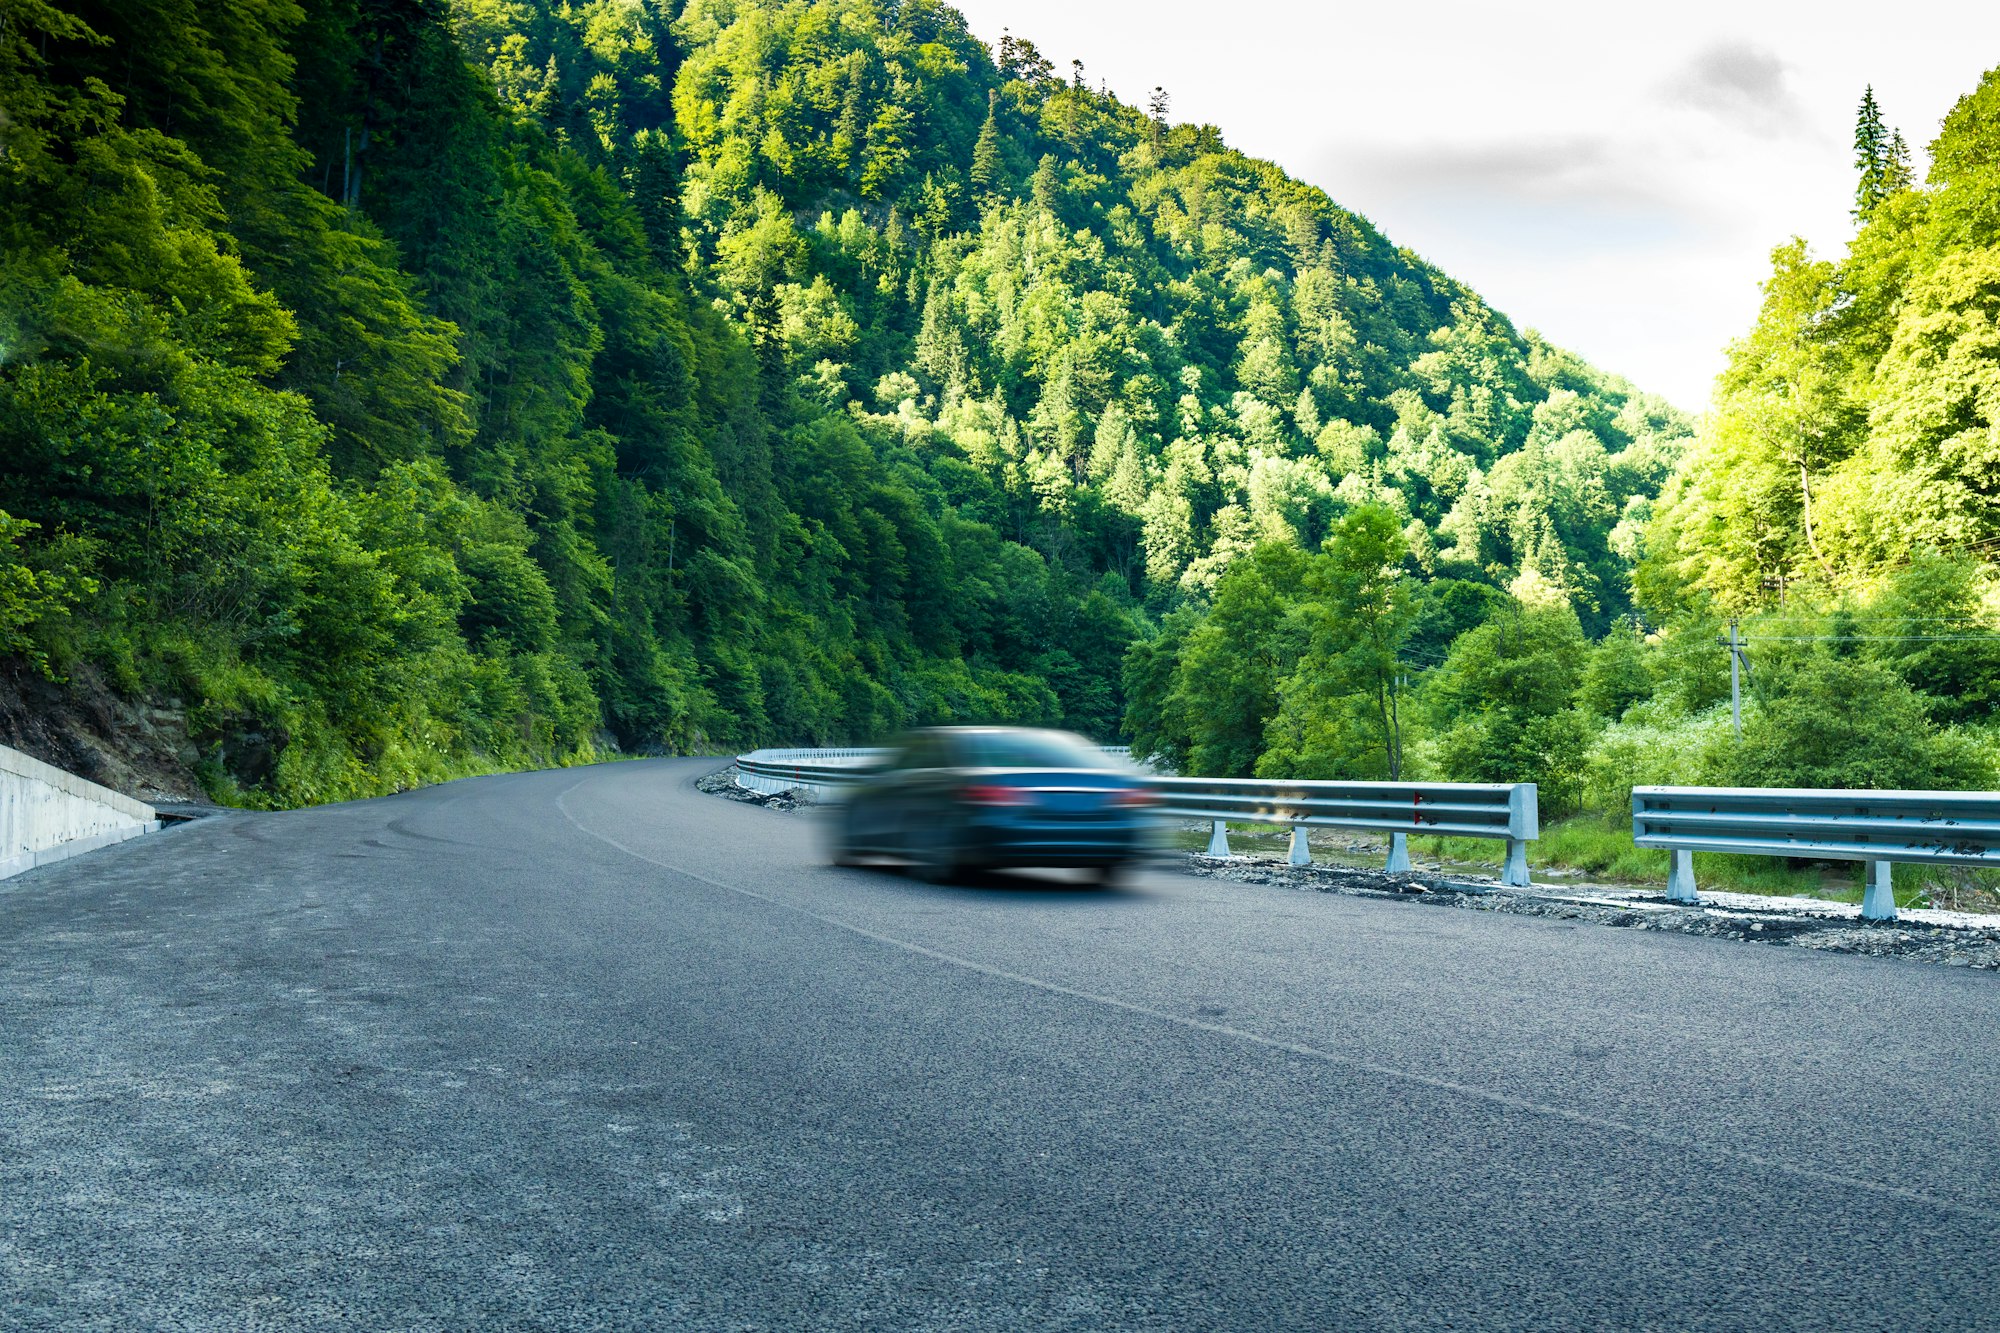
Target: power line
{"points": [[1872, 638], [1861, 615]]}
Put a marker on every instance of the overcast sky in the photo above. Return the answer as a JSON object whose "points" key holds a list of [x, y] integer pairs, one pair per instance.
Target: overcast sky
{"points": [[1613, 175]]}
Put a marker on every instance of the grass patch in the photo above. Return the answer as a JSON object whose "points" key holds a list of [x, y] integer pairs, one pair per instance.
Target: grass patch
{"points": [[1244, 839], [1954, 888], [1600, 846]]}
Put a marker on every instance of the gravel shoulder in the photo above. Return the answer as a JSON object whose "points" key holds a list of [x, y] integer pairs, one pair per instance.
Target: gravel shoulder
{"points": [[1954, 939]]}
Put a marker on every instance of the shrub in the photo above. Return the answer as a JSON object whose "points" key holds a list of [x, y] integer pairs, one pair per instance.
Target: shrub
{"points": [[1654, 748], [1826, 721]]}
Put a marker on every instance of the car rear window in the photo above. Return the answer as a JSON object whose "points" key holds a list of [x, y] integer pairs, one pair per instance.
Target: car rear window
{"points": [[1033, 750], [923, 750]]}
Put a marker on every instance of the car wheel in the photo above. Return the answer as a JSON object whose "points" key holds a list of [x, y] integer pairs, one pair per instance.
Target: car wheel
{"points": [[940, 862], [840, 840], [1110, 875]]}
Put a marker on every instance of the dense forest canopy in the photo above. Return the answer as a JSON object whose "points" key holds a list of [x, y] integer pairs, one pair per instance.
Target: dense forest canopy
{"points": [[417, 387]]}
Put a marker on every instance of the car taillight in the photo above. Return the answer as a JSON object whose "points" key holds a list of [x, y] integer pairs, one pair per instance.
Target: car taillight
{"points": [[1137, 796], [994, 795]]}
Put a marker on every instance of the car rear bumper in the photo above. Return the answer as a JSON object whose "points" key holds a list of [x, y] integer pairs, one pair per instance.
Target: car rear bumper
{"points": [[1023, 841]]}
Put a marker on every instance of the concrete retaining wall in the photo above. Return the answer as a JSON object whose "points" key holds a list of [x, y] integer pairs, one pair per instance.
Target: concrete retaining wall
{"points": [[47, 814]]}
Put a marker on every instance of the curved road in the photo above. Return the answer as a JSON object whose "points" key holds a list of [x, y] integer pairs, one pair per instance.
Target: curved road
{"points": [[590, 1049]]}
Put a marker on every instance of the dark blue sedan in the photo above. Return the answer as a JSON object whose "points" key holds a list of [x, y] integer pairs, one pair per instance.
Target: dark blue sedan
{"points": [[955, 800]]}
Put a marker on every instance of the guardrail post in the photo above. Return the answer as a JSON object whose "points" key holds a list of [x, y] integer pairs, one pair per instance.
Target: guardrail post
{"points": [[1399, 855], [1879, 903], [1301, 854], [1524, 822], [1680, 878], [1218, 841]]}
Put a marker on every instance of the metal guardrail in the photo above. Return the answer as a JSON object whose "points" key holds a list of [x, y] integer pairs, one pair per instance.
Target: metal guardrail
{"points": [[1878, 827], [773, 771], [1504, 810], [1445, 809]]}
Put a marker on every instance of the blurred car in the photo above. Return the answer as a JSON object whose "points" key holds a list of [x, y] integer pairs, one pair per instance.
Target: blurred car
{"points": [[954, 800]]}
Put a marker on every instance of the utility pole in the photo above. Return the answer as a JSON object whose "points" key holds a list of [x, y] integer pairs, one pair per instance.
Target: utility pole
{"points": [[1735, 644]]}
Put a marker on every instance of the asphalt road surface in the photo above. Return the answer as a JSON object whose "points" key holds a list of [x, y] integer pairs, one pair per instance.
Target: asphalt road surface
{"points": [[590, 1049]]}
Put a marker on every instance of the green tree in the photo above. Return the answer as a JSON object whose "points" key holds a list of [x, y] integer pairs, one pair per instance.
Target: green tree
{"points": [[988, 171], [1930, 625], [1874, 157], [30, 596], [1615, 675], [1751, 507], [1496, 702], [1359, 608], [1930, 474], [1827, 721], [1226, 682], [1153, 722]]}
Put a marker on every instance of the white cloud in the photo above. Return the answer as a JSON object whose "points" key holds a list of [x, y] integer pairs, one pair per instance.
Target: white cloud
{"points": [[1534, 194], [1566, 169], [1743, 86]]}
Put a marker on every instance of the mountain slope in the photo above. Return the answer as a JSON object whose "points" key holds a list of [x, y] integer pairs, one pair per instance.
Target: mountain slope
{"points": [[410, 389]]}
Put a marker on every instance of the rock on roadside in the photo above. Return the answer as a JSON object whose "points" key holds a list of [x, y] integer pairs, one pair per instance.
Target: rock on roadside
{"points": [[722, 783]]}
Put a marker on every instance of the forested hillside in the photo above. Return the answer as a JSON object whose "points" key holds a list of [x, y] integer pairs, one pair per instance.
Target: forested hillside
{"points": [[391, 388], [1841, 507]]}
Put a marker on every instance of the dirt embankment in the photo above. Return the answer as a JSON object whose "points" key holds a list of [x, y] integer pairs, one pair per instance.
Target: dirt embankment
{"points": [[139, 747]]}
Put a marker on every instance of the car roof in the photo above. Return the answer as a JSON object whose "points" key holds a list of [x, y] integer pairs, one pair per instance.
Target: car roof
{"points": [[960, 730]]}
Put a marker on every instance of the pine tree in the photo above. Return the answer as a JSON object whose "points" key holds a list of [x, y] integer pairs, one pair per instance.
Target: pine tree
{"points": [[940, 347], [847, 134], [1871, 156], [649, 177], [1018, 59], [1157, 106], [1047, 183], [986, 166], [1305, 414], [1899, 175]]}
